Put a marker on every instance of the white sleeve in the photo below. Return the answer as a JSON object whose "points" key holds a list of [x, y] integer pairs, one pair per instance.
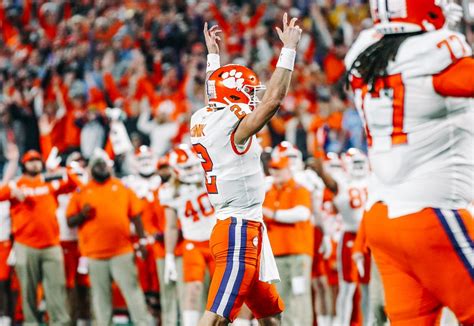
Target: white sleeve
{"points": [[293, 215], [144, 124]]}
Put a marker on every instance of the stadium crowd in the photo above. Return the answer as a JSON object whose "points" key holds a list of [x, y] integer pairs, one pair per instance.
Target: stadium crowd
{"points": [[76, 76]]}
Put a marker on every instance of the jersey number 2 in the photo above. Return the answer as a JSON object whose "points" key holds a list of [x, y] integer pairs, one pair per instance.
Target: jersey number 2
{"points": [[207, 165]]}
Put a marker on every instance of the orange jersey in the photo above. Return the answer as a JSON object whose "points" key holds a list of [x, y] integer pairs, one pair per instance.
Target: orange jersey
{"points": [[107, 233], [34, 222], [289, 238]]}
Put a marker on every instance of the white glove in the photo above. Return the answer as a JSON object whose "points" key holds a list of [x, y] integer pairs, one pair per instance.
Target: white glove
{"points": [[326, 247], [452, 11], [171, 275], [53, 160], [11, 260], [115, 114], [359, 260], [83, 266]]}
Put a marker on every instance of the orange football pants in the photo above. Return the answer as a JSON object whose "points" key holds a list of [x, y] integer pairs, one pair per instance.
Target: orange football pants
{"points": [[71, 261], [5, 248], [426, 261], [197, 258], [348, 266], [236, 246]]}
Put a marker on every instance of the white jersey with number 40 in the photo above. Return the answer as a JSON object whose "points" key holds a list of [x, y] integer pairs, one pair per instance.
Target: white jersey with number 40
{"points": [[234, 176], [193, 208], [420, 142]]}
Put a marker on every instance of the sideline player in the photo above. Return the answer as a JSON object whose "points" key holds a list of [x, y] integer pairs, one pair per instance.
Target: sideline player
{"points": [[185, 198], [223, 136], [144, 182], [404, 73], [350, 193], [77, 284]]}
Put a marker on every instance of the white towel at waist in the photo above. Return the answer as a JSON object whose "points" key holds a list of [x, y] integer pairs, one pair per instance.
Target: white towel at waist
{"points": [[268, 267]]}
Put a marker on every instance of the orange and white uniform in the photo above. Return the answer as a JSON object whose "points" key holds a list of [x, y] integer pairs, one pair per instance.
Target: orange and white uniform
{"points": [[196, 216], [350, 203], [412, 145], [236, 187], [146, 189], [5, 243], [420, 150], [332, 225], [69, 244]]}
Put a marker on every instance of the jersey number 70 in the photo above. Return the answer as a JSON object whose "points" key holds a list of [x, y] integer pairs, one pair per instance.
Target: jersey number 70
{"points": [[207, 165]]}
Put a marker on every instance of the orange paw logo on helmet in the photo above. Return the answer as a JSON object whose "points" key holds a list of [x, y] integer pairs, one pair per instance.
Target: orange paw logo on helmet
{"points": [[233, 84]]}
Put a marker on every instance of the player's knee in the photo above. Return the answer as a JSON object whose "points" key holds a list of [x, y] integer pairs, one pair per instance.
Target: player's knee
{"points": [[194, 288], [193, 292], [270, 321]]}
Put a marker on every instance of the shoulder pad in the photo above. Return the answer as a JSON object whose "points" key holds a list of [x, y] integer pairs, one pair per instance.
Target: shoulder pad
{"points": [[365, 39], [431, 52]]}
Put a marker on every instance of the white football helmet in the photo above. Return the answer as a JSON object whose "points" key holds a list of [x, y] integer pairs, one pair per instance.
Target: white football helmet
{"points": [[356, 163], [186, 164], [146, 161], [333, 163]]}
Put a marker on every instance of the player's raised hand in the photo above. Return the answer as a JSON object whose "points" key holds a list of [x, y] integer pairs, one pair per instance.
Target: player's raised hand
{"points": [[211, 36], [291, 33]]}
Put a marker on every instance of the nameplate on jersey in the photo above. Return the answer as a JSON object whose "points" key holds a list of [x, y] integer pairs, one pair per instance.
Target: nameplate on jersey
{"points": [[198, 130]]}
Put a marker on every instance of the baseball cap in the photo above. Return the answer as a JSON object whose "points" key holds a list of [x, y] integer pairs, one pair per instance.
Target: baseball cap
{"points": [[30, 156], [279, 163]]}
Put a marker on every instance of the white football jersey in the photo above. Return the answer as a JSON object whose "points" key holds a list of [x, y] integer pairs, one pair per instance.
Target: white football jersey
{"points": [[350, 201], [331, 220], [311, 181], [193, 208], [65, 232], [420, 143], [234, 175], [5, 223], [143, 187]]}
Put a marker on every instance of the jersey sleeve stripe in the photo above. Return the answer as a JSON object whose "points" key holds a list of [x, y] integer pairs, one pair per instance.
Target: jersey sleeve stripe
{"points": [[234, 147]]}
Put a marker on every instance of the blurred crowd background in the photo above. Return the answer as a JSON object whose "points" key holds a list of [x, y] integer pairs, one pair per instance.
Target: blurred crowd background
{"points": [[63, 62]]}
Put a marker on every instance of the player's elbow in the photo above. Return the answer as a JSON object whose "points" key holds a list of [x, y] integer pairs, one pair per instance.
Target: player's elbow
{"points": [[273, 102]]}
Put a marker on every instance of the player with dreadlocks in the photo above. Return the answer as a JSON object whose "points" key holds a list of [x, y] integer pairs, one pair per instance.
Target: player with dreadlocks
{"points": [[413, 86]]}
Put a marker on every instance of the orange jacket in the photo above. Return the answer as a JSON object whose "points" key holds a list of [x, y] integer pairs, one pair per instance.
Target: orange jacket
{"points": [[106, 234], [289, 238], [34, 222]]}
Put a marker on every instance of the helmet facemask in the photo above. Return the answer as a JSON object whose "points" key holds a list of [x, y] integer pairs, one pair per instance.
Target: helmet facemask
{"points": [[146, 165], [250, 92], [358, 168], [190, 172]]}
